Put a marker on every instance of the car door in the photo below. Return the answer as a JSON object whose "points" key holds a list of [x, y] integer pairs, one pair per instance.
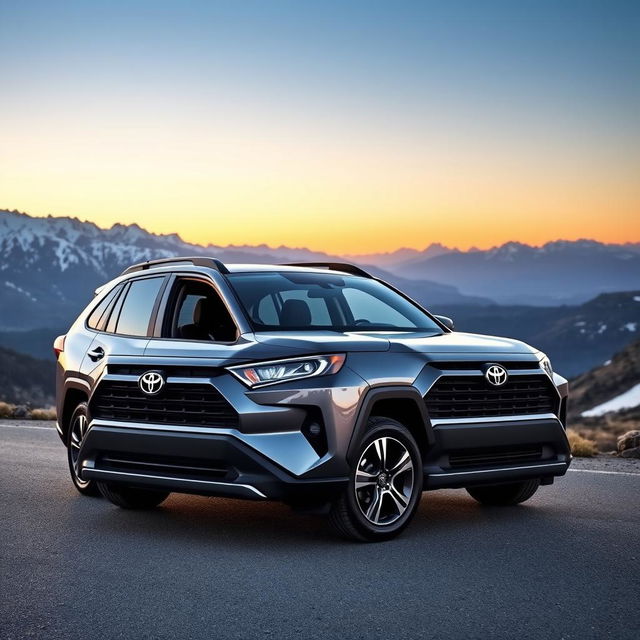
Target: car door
{"points": [[177, 310]]}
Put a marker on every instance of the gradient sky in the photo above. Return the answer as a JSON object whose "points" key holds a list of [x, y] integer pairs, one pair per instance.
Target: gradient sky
{"points": [[342, 126]]}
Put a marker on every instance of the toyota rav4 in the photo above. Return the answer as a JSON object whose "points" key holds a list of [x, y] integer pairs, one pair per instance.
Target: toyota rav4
{"points": [[314, 384]]}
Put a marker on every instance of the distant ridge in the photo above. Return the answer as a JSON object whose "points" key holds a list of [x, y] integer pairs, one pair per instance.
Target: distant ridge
{"points": [[55, 263]]}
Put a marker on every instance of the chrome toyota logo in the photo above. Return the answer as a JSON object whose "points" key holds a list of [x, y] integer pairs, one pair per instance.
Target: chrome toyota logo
{"points": [[151, 382], [496, 375]]}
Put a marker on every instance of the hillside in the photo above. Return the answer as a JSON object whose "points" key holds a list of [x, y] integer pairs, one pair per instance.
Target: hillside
{"points": [[26, 380], [605, 402]]}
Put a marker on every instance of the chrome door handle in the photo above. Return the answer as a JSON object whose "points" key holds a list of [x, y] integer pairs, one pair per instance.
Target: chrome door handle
{"points": [[96, 354]]}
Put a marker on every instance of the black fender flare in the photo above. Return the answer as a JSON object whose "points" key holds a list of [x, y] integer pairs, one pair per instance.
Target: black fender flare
{"points": [[388, 392]]}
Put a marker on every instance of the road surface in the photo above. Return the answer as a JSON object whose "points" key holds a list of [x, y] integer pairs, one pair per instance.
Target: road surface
{"points": [[565, 565]]}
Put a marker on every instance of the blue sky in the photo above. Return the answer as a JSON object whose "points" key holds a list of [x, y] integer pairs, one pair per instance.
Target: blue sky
{"points": [[524, 106]]}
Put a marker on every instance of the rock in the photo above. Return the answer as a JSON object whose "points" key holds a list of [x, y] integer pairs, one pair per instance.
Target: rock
{"points": [[21, 411], [629, 445]]}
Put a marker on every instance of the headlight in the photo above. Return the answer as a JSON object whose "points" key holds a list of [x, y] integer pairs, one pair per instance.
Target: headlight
{"points": [[545, 363], [263, 373]]}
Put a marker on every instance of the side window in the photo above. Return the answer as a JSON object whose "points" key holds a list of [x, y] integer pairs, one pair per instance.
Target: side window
{"points": [[98, 317], [198, 313], [368, 308], [135, 314]]}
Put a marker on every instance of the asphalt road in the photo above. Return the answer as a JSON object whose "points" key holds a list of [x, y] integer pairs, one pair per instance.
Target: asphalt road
{"points": [[565, 565]]}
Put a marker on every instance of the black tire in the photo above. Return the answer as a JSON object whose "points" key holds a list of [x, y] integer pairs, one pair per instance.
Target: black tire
{"points": [[75, 435], [132, 497], [505, 494], [385, 496]]}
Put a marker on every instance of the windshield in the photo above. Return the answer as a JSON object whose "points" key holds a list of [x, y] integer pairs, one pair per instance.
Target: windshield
{"points": [[311, 301]]}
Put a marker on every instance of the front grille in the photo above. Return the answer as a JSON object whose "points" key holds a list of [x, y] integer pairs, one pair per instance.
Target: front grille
{"points": [[180, 404], [493, 456], [473, 397]]}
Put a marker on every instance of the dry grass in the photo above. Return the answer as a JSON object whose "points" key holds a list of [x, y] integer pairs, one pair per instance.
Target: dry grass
{"points": [[581, 447], [42, 414], [6, 410]]}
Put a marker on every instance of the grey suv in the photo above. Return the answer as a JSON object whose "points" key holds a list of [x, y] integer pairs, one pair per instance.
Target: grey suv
{"points": [[314, 384]]}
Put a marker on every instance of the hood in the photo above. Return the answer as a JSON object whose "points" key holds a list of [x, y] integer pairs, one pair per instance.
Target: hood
{"points": [[419, 342]]}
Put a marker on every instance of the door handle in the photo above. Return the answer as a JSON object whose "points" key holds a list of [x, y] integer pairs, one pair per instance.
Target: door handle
{"points": [[96, 354]]}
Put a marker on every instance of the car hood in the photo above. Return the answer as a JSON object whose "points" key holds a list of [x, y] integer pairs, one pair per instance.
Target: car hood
{"points": [[419, 342]]}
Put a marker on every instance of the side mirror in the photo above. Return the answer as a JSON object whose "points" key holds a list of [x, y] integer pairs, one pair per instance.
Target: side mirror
{"points": [[447, 322]]}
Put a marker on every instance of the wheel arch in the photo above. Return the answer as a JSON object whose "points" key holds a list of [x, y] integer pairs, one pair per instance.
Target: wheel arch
{"points": [[404, 404], [76, 392]]}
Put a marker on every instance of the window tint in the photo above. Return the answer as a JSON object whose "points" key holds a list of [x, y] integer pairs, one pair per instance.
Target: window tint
{"points": [[99, 315], [137, 307]]}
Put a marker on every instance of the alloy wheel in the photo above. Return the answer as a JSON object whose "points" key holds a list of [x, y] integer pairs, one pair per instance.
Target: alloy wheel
{"points": [[384, 481]]}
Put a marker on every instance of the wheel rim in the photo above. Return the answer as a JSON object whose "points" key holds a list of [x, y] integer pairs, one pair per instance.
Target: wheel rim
{"points": [[384, 481], [78, 432]]}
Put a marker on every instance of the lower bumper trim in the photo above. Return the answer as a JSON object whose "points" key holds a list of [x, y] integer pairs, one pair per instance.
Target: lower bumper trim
{"points": [[495, 475], [227, 488]]}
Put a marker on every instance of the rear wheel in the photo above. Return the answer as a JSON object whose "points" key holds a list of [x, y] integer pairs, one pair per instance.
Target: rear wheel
{"points": [[132, 497], [75, 437], [384, 486], [505, 494]]}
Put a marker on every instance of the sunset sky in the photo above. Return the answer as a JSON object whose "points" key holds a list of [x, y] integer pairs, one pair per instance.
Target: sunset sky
{"points": [[342, 126]]}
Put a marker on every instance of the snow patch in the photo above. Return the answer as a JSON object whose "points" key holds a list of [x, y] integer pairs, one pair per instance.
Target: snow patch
{"points": [[626, 400], [636, 298], [15, 287], [630, 326]]}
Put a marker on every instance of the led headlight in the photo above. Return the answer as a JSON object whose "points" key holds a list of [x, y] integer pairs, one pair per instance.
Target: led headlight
{"points": [[545, 363], [263, 373]]}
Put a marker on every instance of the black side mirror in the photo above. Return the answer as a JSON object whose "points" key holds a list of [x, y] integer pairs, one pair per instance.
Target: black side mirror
{"points": [[447, 322]]}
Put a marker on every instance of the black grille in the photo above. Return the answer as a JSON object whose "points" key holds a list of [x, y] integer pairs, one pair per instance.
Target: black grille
{"points": [[473, 397], [487, 457], [182, 404]]}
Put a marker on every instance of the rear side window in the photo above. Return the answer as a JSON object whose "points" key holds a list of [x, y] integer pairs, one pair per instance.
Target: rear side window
{"points": [[136, 310], [98, 317]]}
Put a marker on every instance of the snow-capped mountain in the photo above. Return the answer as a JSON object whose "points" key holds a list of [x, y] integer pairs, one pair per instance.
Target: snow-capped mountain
{"points": [[559, 272], [50, 266]]}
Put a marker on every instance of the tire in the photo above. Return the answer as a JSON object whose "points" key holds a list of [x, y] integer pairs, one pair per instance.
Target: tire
{"points": [[132, 497], [504, 494], [75, 436], [381, 502]]}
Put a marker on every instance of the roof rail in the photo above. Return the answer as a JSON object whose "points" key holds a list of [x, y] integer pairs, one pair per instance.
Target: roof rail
{"points": [[332, 266], [211, 263]]}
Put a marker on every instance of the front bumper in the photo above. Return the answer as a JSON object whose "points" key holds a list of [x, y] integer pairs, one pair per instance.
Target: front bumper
{"points": [[206, 464], [492, 451]]}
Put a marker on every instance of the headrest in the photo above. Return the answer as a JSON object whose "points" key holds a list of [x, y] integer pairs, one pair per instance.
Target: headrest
{"points": [[295, 313]]}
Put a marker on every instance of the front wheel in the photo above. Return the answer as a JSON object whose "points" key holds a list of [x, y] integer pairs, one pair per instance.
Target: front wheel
{"points": [[132, 497], [75, 437], [384, 486], [504, 494]]}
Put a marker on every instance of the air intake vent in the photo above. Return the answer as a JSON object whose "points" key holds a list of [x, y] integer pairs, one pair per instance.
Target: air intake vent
{"points": [[181, 404], [473, 397]]}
